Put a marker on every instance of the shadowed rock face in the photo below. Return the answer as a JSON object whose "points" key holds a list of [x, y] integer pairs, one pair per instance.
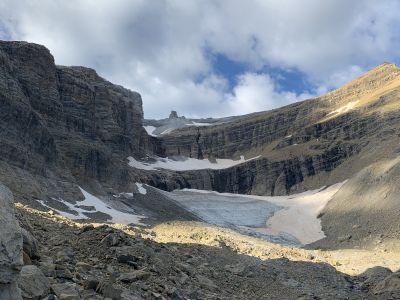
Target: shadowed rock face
{"points": [[366, 207], [10, 247], [62, 125]]}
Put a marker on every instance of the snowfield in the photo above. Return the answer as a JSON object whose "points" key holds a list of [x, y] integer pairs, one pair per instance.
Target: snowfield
{"points": [[185, 163], [290, 220], [292, 217]]}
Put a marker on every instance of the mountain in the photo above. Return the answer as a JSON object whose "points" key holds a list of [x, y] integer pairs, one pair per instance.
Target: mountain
{"points": [[173, 122], [76, 145]]}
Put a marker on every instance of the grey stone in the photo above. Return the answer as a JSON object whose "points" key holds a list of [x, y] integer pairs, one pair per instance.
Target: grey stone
{"points": [[66, 291], [134, 276], [90, 283], [33, 283], [30, 245], [65, 255], [62, 125], [11, 259], [47, 266], [124, 255], [390, 284]]}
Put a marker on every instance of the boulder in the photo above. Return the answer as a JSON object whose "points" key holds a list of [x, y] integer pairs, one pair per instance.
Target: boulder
{"points": [[11, 260], [124, 255], [33, 283], [65, 291], [30, 245], [389, 286], [134, 276]]}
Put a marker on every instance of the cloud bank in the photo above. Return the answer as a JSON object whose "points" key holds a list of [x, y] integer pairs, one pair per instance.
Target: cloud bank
{"points": [[167, 50]]}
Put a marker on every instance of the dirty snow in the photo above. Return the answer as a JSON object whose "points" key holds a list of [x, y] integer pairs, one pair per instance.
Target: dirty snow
{"points": [[185, 163], [116, 216], [141, 189], [284, 216], [344, 109]]}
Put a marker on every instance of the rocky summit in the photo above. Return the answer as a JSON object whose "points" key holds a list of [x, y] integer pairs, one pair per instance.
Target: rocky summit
{"points": [[299, 202]]}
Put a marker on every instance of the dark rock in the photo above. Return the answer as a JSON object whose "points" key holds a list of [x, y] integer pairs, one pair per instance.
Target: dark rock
{"points": [[109, 290], [389, 286], [47, 266], [91, 283], [65, 291], [65, 255], [62, 125], [50, 297], [11, 258], [124, 255], [30, 245], [177, 295], [112, 239], [134, 276], [87, 228], [173, 115]]}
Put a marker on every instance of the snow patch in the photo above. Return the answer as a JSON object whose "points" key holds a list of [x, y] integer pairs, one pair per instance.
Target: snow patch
{"points": [[344, 109], [126, 195], [200, 124], [166, 131], [141, 189], [185, 163], [150, 130], [90, 200]]}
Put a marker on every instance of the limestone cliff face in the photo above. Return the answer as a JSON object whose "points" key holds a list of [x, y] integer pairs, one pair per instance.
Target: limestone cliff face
{"points": [[304, 145], [66, 126], [62, 125]]}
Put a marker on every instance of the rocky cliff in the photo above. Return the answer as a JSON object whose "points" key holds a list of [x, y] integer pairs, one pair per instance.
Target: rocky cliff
{"points": [[304, 145], [66, 126], [62, 126], [10, 247]]}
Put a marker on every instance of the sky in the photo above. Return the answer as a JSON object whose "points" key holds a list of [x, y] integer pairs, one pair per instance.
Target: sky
{"points": [[213, 58]]}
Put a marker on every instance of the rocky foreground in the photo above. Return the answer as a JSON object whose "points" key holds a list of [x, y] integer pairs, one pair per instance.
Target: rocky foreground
{"points": [[186, 260]]}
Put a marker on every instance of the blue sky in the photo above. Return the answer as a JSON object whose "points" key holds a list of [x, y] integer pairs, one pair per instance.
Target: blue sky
{"points": [[213, 58]]}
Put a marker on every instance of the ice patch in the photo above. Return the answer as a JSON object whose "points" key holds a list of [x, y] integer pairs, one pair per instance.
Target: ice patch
{"points": [[141, 189], [185, 163], [344, 109], [150, 130], [296, 214], [116, 216]]}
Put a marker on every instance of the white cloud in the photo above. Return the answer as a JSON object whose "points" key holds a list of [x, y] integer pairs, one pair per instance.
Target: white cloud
{"points": [[254, 91], [161, 48]]}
